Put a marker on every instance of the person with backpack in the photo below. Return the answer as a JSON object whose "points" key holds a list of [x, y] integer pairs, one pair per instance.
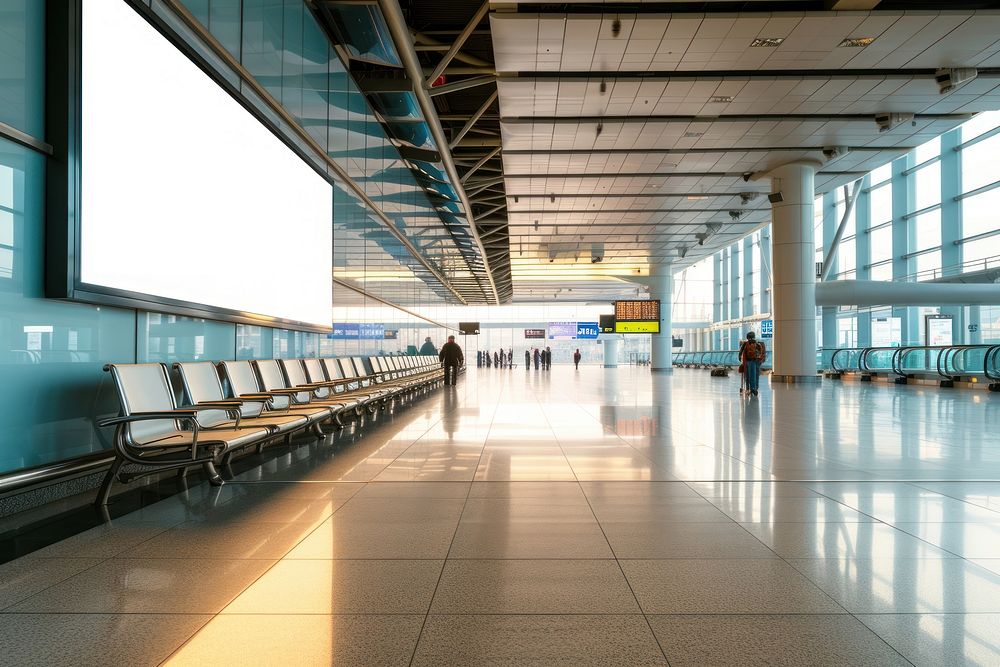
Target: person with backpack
{"points": [[752, 354]]}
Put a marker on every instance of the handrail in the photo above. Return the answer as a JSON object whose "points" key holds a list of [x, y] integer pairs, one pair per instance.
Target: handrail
{"points": [[992, 353], [847, 350]]}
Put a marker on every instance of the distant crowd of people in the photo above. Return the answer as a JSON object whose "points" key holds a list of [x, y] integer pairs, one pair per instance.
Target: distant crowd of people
{"points": [[497, 359]]}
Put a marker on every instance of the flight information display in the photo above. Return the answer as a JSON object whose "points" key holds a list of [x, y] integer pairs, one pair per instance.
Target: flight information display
{"points": [[637, 316]]}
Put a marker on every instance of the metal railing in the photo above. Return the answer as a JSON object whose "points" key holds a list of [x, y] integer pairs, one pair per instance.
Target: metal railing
{"points": [[715, 359], [949, 362]]}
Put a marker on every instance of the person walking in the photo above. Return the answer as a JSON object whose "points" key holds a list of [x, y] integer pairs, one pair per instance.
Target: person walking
{"points": [[752, 354], [510, 359], [527, 359], [576, 359], [548, 358], [537, 358], [428, 347], [496, 359], [453, 359]]}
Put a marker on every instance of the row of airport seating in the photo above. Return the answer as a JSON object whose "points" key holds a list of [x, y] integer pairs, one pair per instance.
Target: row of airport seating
{"points": [[233, 406]]}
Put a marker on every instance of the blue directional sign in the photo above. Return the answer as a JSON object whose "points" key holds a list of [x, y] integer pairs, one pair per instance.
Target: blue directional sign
{"points": [[767, 329], [587, 330]]}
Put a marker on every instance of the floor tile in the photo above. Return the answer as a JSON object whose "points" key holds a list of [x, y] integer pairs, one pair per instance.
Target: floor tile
{"points": [[538, 640], [745, 586], [94, 640], [598, 490], [341, 587], [778, 640], [905, 585], [651, 539], [338, 538], [315, 639], [22, 578], [533, 587], [778, 509], [968, 540], [526, 490], [104, 541], [148, 586], [661, 510], [197, 539], [933, 639], [530, 540], [414, 490], [842, 540]]}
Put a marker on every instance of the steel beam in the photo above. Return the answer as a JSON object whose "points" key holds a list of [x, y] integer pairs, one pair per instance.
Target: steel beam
{"points": [[400, 32], [726, 118], [850, 198], [456, 46], [479, 165], [474, 119], [464, 84]]}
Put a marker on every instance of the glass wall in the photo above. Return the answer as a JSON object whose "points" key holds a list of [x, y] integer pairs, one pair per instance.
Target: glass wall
{"points": [[929, 214], [52, 353]]}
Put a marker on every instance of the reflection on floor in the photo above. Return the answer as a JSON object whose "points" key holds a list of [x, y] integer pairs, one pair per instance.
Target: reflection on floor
{"points": [[593, 517]]}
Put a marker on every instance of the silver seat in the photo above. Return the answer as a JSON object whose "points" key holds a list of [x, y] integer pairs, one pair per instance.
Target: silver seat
{"points": [[244, 384], [153, 432], [201, 383]]}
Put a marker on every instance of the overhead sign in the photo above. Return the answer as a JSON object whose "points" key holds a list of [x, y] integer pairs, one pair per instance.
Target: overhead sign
{"points": [[637, 316], [357, 331], [534, 333], [391, 334], [637, 327], [562, 330], [468, 328], [587, 330], [767, 328], [607, 323]]}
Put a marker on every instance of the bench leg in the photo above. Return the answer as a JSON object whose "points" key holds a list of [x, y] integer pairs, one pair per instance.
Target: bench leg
{"points": [[214, 478], [317, 430], [105, 491]]}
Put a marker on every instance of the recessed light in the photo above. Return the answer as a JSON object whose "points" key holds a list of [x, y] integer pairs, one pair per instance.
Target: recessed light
{"points": [[721, 99], [857, 42], [696, 197], [769, 42]]}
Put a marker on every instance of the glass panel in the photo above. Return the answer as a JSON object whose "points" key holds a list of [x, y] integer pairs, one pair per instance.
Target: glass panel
{"points": [[926, 151], [880, 200], [881, 244], [51, 352], [928, 186], [22, 61], [983, 122], [928, 229], [979, 164], [980, 213], [253, 342], [169, 338]]}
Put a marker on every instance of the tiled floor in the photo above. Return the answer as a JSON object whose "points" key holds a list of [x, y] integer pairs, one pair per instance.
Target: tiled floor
{"points": [[596, 517]]}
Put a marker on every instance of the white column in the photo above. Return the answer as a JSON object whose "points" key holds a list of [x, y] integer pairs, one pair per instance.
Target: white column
{"points": [[794, 272], [610, 351], [661, 286]]}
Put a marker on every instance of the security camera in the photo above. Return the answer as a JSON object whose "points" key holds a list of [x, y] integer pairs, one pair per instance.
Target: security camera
{"points": [[747, 175], [735, 215], [950, 78], [616, 27], [596, 259], [887, 121], [747, 197], [831, 152]]}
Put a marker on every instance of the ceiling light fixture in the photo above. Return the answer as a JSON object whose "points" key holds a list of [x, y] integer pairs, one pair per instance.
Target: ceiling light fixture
{"points": [[720, 99], [856, 42], [767, 42], [693, 135]]}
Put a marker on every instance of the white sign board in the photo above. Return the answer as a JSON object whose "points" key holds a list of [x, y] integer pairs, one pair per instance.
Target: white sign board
{"points": [[939, 331], [887, 331]]}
